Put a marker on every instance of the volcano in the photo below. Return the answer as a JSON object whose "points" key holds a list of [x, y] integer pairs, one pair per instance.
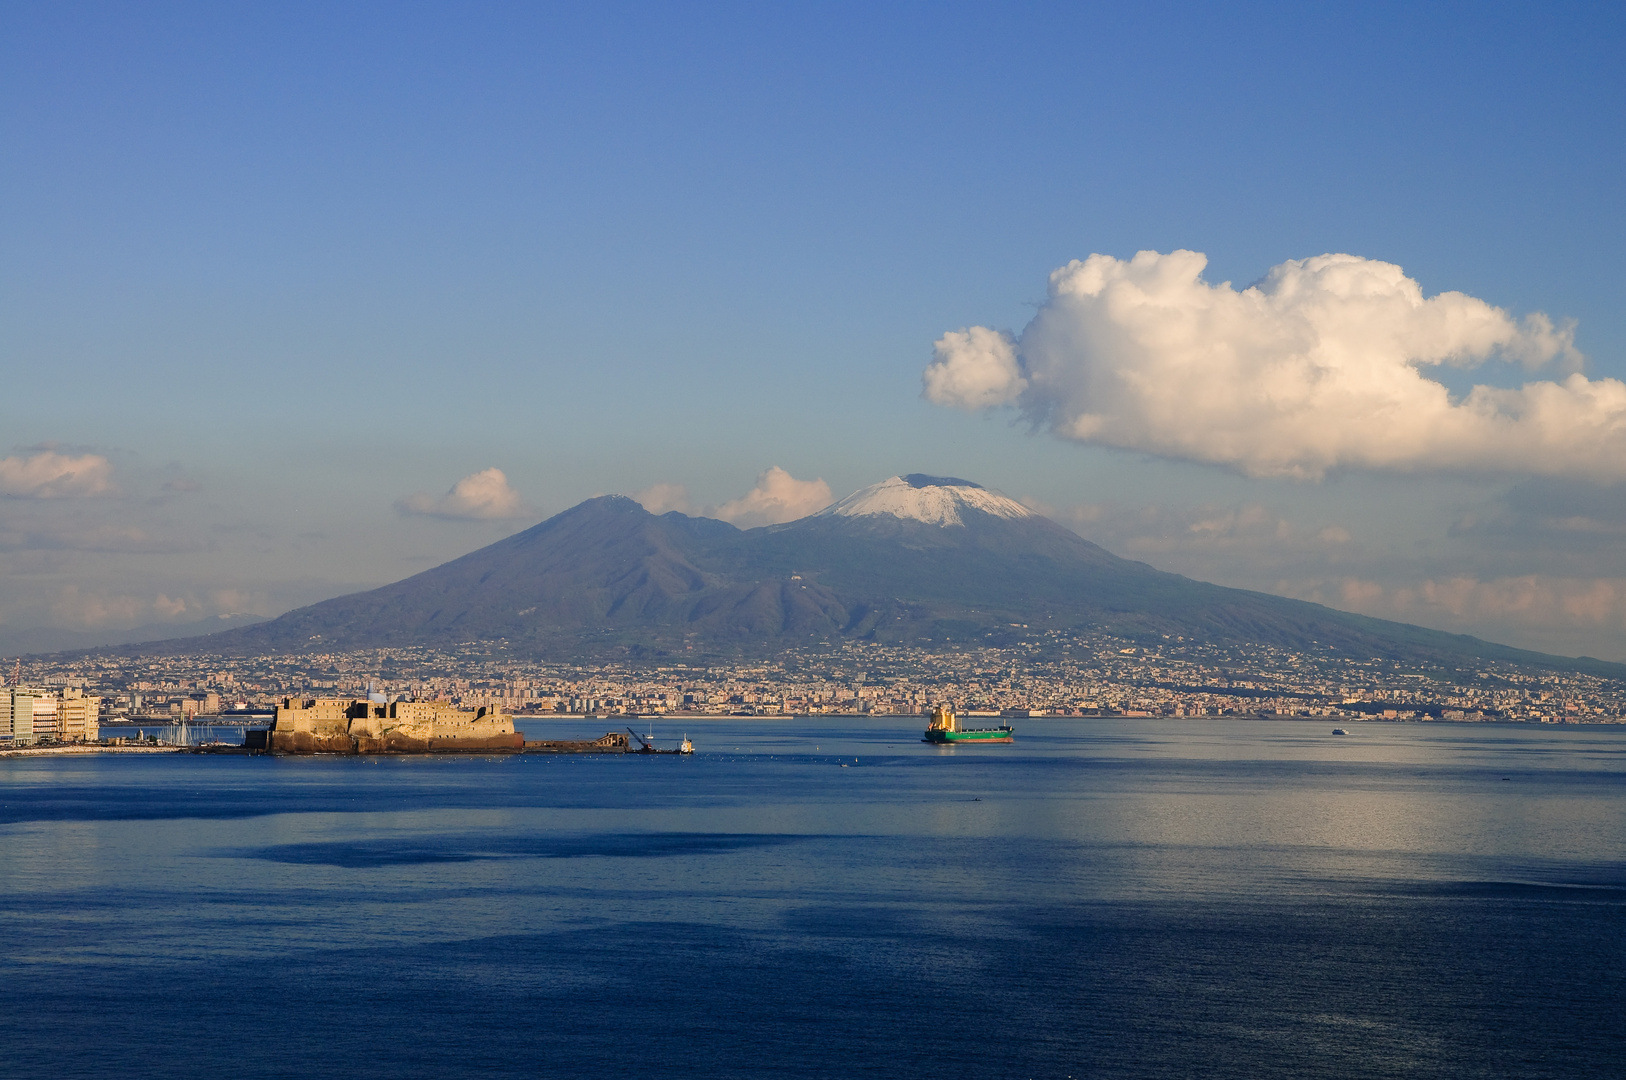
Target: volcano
{"points": [[917, 560]]}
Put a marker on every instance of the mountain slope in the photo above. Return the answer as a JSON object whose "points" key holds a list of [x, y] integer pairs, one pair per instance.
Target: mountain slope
{"points": [[921, 560]]}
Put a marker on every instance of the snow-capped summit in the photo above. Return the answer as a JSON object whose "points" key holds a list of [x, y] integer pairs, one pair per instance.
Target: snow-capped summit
{"points": [[936, 500]]}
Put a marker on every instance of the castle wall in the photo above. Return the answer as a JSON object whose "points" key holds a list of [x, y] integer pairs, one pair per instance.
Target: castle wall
{"points": [[353, 726]]}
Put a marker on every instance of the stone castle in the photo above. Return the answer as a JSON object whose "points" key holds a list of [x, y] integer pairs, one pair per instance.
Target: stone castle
{"points": [[371, 726]]}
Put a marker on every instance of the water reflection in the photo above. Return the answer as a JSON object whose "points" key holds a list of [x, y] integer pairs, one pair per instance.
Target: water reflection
{"points": [[1131, 898]]}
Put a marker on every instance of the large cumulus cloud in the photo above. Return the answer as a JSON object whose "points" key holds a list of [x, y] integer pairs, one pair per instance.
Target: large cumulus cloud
{"points": [[1323, 364]]}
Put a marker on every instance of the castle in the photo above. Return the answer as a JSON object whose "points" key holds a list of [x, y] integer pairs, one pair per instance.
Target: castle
{"points": [[373, 726]]}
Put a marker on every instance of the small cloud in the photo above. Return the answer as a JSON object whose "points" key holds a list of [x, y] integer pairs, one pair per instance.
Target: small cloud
{"points": [[46, 474], [663, 498], [169, 608], [974, 368], [481, 496], [182, 483], [778, 497]]}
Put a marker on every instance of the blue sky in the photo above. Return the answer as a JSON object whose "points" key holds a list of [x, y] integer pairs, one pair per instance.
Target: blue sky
{"points": [[284, 267]]}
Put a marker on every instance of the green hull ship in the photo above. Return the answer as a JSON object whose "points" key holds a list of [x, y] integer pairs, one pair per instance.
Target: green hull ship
{"points": [[945, 728]]}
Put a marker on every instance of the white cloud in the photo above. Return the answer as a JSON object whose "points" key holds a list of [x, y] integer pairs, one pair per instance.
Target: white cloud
{"points": [[1321, 365], [481, 496], [663, 498], [46, 474], [778, 497], [170, 608], [973, 369]]}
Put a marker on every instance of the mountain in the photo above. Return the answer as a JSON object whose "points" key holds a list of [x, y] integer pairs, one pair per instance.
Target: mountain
{"points": [[919, 560]]}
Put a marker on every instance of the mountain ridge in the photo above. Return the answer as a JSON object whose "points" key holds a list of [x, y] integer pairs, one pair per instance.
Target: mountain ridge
{"points": [[934, 562]]}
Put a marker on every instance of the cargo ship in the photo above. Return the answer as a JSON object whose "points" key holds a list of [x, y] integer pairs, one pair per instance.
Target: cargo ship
{"points": [[945, 728]]}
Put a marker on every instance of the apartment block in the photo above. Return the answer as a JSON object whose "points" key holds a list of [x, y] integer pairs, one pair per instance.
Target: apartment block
{"points": [[30, 715]]}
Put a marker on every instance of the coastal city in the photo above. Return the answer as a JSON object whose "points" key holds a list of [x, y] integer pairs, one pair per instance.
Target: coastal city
{"points": [[1058, 675]]}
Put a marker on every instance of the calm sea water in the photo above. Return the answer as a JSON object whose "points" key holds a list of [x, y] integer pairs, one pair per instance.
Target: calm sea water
{"points": [[1125, 898]]}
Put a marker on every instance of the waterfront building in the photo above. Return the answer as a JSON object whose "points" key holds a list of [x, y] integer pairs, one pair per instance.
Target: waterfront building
{"points": [[31, 714], [78, 716], [18, 716], [45, 729]]}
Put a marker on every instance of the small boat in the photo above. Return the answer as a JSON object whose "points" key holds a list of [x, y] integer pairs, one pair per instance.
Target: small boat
{"points": [[1339, 731], [945, 728]]}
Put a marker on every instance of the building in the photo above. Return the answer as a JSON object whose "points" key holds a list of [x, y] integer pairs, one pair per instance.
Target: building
{"points": [[30, 715], [78, 717], [365, 726], [45, 717], [17, 716]]}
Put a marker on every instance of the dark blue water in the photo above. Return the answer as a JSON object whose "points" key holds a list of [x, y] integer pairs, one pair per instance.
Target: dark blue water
{"points": [[1104, 898]]}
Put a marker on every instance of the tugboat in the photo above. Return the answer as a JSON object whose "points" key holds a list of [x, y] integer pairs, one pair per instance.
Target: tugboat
{"points": [[945, 728]]}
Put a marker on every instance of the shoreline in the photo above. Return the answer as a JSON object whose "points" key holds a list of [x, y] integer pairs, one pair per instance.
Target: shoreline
{"points": [[1352, 718], [58, 751]]}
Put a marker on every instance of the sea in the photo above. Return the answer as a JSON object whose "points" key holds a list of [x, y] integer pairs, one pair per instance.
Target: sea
{"points": [[831, 897]]}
